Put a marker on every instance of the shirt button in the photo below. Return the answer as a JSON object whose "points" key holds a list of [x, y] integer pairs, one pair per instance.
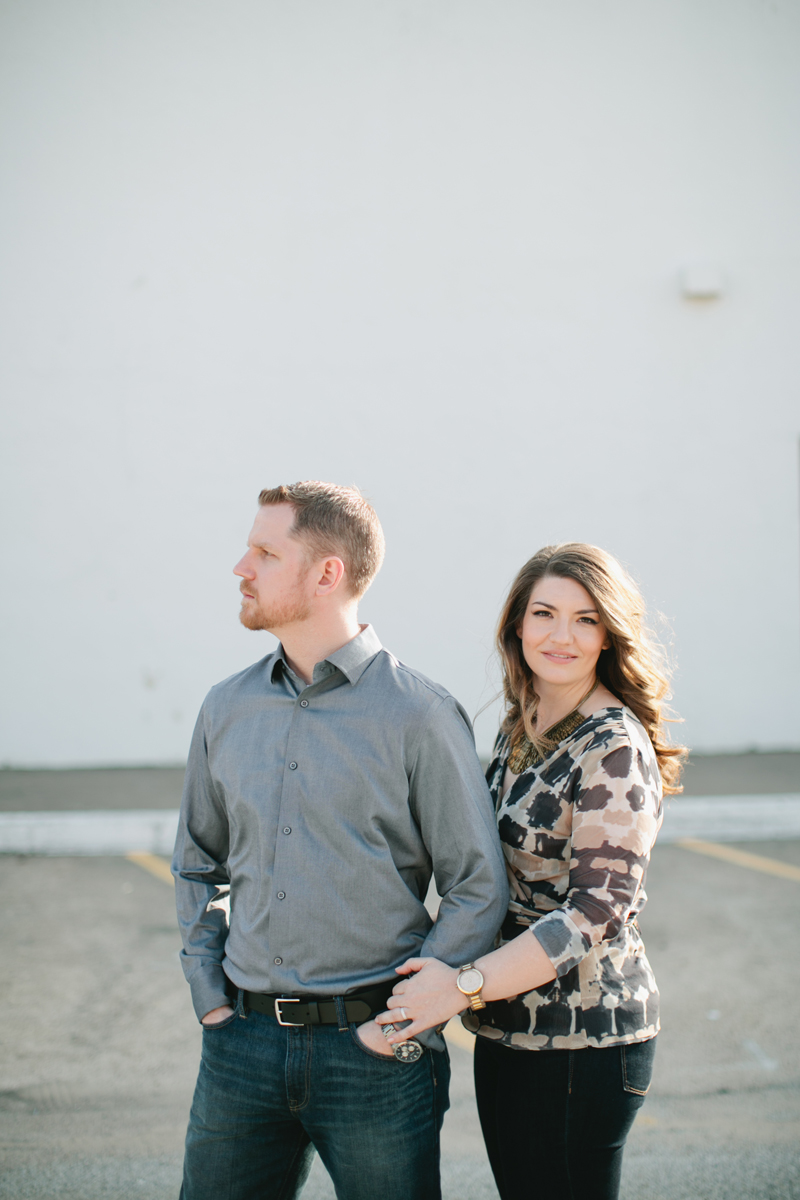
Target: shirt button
{"points": [[277, 961], [304, 704], [292, 766], [287, 829], [281, 895]]}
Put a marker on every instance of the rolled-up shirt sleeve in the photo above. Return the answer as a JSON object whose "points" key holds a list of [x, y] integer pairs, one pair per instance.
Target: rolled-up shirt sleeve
{"points": [[199, 866], [616, 817], [451, 804]]}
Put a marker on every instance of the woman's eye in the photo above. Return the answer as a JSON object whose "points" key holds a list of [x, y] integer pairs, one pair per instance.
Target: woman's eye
{"points": [[541, 612], [589, 620]]}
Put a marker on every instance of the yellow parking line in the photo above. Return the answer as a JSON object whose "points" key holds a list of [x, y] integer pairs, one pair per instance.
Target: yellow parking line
{"points": [[741, 858], [455, 1032], [152, 863]]}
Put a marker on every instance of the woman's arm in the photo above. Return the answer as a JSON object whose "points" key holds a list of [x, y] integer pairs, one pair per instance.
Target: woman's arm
{"points": [[614, 822], [432, 996]]}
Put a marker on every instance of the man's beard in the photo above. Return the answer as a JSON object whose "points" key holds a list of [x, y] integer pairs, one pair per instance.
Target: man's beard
{"points": [[294, 609]]}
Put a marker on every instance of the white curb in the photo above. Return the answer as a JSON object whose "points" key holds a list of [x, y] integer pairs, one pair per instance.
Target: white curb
{"points": [[730, 818], [710, 818], [77, 833]]}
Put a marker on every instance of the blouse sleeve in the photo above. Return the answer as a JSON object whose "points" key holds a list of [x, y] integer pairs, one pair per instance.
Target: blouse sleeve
{"points": [[616, 815]]}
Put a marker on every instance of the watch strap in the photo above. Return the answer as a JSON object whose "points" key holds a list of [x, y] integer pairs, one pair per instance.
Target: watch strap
{"points": [[474, 999]]}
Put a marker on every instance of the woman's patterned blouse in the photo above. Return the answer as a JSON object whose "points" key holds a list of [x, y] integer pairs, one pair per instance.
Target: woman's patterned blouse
{"points": [[577, 830]]}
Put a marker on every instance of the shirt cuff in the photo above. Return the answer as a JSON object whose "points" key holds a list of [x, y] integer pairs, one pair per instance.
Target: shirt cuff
{"points": [[561, 940], [210, 989], [431, 1040]]}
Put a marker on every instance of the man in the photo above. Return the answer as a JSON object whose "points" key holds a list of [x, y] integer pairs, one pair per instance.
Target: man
{"points": [[325, 784]]}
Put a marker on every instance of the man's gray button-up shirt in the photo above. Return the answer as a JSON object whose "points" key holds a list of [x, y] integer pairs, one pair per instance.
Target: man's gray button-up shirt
{"points": [[372, 770]]}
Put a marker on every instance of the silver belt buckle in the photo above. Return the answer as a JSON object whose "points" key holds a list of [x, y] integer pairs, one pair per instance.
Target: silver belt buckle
{"points": [[278, 1014]]}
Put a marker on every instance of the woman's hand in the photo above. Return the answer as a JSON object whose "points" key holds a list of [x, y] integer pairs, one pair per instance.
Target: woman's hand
{"points": [[429, 997]]}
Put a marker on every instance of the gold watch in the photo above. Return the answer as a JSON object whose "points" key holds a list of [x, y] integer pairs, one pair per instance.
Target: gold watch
{"points": [[469, 981]]}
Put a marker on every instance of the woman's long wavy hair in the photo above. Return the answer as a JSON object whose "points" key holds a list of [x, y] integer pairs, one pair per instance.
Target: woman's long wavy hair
{"points": [[633, 667]]}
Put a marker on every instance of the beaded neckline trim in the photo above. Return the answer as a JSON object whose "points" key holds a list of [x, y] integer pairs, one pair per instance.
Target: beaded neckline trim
{"points": [[524, 754]]}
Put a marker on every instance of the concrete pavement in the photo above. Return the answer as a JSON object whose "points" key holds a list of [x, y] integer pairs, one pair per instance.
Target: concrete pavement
{"points": [[99, 1046]]}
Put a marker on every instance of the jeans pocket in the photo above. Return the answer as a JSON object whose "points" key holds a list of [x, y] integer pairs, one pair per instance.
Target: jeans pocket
{"points": [[365, 1049], [219, 1024], [237, 1009], [637, 1066]]}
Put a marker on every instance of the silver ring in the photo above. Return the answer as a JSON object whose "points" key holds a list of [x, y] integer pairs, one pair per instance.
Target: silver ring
{"points": [[403, 1011]]}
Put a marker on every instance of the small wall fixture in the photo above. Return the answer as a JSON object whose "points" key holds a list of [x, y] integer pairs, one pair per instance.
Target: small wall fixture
{"points": [[702, 281]]}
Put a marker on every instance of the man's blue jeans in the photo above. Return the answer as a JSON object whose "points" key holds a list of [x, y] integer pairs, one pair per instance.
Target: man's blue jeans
{"points": [[268, 1095]]}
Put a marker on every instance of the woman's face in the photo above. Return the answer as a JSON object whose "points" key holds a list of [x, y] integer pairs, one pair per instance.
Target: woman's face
{"points": [[561, 632]]}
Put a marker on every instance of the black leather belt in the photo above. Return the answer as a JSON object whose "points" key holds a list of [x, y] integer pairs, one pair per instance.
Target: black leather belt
{"points": [[320, 1010]]}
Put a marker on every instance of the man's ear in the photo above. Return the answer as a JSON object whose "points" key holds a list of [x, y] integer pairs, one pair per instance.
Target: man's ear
{"points": [[330, 575]]}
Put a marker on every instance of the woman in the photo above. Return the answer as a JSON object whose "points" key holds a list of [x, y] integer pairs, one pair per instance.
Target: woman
{"points": [[566, 1008]]}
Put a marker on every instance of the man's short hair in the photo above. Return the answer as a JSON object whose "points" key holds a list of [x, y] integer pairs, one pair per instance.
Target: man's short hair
{"points": [[334, 520]]}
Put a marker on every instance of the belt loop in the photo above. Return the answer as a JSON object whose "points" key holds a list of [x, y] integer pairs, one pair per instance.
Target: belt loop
{"points": [[240, 1004], [341, 1013]]}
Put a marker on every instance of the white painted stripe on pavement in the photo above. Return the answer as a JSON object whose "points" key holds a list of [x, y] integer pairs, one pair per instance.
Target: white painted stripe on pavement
{"points": [[761, 1057], [730, 818], [710, 818], [82, 833]]}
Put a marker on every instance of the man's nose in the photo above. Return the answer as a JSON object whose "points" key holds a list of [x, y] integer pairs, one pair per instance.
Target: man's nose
{"points": [[244, 568]]}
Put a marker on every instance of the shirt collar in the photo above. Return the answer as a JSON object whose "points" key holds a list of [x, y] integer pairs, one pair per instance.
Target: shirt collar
{"points": [[352, 659]]}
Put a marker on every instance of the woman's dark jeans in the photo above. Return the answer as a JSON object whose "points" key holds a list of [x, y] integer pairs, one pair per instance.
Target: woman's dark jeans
{"points": [[555, 1121], [268, 1095]]}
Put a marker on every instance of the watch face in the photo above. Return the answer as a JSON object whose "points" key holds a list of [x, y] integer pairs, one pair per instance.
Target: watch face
{"points": [[470, 981], [407, 1052]]}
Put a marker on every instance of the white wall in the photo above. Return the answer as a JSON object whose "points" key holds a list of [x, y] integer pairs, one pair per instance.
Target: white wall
{"points": [[428, 247]]}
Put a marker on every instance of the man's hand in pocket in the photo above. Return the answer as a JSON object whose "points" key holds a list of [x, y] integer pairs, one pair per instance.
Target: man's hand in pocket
{"points": [[218, 1015], [370, 1034]]}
